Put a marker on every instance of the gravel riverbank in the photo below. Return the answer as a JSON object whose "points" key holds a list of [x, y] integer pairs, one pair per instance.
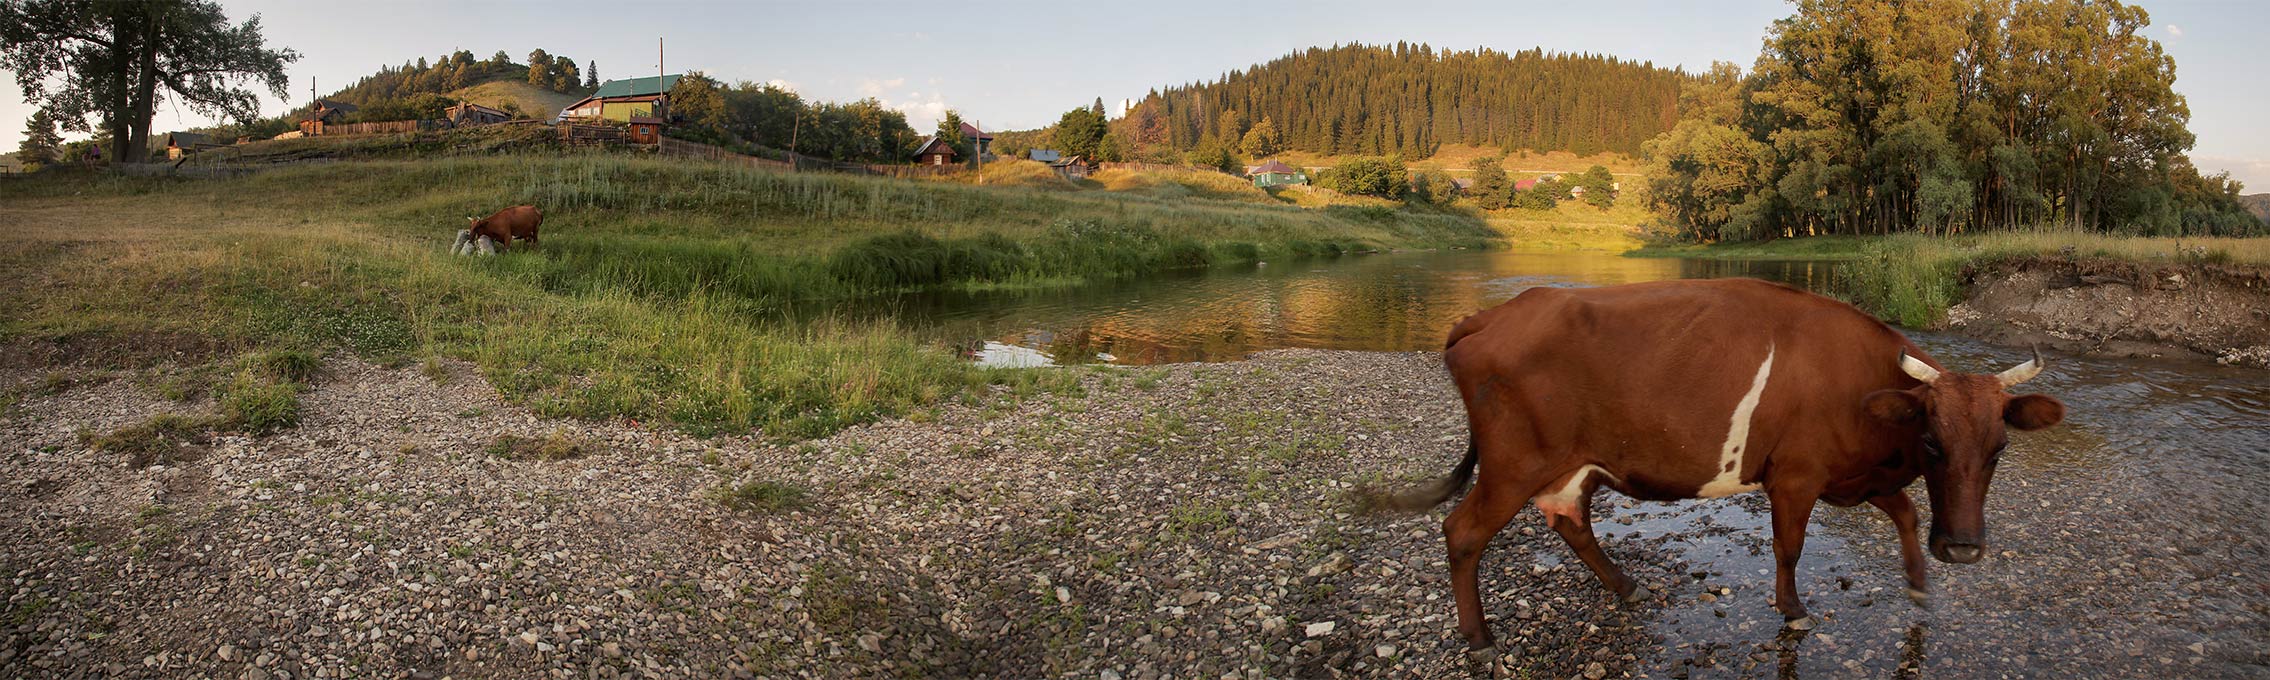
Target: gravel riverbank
{"points": [[1174, 521]]}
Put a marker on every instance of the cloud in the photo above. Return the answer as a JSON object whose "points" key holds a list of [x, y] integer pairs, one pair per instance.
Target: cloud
{"points": [[2175, 31], [782, 84], [2253, 172], [870, 87], [922, 113]]}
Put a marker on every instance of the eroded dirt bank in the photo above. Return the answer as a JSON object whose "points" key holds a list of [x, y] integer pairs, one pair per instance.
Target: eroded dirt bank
{"points": [[1179, 521], [2119, 308]]}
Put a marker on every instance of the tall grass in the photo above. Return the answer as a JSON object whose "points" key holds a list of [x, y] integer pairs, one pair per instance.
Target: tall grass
{"points": [[1913, 279], [661, 292]]}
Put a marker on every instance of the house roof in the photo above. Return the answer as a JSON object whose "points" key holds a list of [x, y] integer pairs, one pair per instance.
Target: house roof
{"points": [[646, 120], [470, 106], [933, 142], [182, 139], [1068, 162], [339, 106], [1044, 155], [1524, 184], [972, 132], [636, 86], [1273, 166], [1462, 182]]}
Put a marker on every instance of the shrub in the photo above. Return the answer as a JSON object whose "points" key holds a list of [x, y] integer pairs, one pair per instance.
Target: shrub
{"points": [[259, 406], [761, 497]]}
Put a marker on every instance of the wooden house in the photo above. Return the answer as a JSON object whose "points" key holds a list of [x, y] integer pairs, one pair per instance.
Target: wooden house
{"points": [[934, 151], [178, 144], [620, 100], [984, 141], [469, 114], [1275, 173], [331, 112], [646, 129], [1075, 167]]}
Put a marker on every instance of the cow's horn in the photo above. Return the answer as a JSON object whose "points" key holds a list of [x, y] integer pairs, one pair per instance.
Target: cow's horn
{"points": [[1917, 369], [2025, 371]]}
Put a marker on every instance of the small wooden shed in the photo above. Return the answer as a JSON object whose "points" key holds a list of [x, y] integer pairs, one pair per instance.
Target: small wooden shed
{"points": [[934, 151], [469, 114], [646, 130]]}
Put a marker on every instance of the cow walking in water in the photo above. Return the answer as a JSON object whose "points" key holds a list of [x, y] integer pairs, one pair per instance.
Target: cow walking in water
{"points": [[1700, 389], [516, 222]]}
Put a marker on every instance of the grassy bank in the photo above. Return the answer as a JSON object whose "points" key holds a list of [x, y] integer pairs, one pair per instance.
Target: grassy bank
{"points": [[662, 291], [1912, 280]]}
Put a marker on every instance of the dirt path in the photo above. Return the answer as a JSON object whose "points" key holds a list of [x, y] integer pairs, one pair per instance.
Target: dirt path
{"points": [[1183, 521]]}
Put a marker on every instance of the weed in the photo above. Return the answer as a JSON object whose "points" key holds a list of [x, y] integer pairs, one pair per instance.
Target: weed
{"points": [[554, 446], [766, 497], [161, 440], [259, 405]]}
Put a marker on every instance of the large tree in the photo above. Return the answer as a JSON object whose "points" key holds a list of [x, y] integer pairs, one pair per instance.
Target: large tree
{"points": [[115, 61], [1079, 132]]}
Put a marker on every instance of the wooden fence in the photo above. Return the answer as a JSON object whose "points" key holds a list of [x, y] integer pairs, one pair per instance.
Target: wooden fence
{"points": [[322, 129], [1157, 167]]}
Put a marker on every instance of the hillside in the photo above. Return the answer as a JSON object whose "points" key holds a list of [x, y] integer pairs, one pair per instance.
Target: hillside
{"points": [[529, 100], [2259, 204], [1412, 99]]}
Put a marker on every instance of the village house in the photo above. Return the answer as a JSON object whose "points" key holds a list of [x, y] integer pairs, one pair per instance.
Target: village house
{"points": [[1044, 155], [331, 112], [984, 141], [620, 100], [468, 114], [178, 144], [1275, 173], [934, 151], [1075, 167]]}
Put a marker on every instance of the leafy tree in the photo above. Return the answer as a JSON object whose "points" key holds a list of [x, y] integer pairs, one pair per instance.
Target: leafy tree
{"points": [[41, 143], [950, 132], [1079, 132], [1111, 150], [565, 76], [695, 99], [1599, 187], [1370, 176], [1544, 195], [1213, 154], [1432, 187], [118, 60], [539, 68], [500, 60], [1492, 189], [1261, 140]]}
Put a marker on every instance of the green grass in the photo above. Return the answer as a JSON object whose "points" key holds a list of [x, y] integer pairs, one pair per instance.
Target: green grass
{"points": [[1810, 248], [1911, 279], [668, 291], [151, 442]]}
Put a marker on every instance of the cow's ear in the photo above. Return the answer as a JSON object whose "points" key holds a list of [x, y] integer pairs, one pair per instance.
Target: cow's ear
{"points": [[2033, 411], [1893, 406]]}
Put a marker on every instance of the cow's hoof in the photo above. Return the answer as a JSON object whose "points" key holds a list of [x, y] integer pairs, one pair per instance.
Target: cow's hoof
{"points": [[1802, 623], [1637, 594], [1920, 598]]}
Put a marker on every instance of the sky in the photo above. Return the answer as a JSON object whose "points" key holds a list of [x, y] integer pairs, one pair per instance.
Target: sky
{"points": [[1020, 65]]}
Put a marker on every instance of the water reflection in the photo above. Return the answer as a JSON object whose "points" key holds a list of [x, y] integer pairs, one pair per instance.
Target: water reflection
{"points": [[1389, 302]]}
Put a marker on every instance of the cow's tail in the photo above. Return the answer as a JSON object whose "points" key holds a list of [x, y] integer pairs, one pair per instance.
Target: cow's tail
{"points": [[1427, 496]]}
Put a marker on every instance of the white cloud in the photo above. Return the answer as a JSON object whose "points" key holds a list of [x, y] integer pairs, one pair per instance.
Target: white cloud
{"points": [[922, 113], [782, 84], [870, 87], [2253, 172], [2175, 31]]}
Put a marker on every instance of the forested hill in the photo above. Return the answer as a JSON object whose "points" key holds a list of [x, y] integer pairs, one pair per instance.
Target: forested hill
{"points": [[2259, 204], [1409, 98], [419, 89]]}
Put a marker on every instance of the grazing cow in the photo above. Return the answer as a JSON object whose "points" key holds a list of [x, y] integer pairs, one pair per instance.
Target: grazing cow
{"points": [[1700, 389], [518, 221]]}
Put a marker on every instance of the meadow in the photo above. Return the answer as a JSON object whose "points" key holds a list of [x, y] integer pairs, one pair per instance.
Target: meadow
{"points": [[664, 290]]}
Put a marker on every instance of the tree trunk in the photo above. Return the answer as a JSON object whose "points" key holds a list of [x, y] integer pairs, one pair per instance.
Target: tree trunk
{"points": [[145, 88]]}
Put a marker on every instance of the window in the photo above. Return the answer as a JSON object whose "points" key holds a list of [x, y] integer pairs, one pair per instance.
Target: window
{"points": [[644, 130]]}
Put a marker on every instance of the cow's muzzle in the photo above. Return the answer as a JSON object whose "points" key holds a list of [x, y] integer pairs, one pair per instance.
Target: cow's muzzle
{"points": [[1957, 552]]}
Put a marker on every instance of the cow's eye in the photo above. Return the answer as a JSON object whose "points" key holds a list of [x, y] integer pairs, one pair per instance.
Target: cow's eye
{"points": [[1931, 448]]}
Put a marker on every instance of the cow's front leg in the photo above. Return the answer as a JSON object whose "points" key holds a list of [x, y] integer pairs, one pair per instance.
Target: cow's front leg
{"points": [[1902, 511], [1792, 508]]}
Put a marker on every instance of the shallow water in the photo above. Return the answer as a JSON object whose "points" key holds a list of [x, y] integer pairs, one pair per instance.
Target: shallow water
{"points": [[2131, 540]]}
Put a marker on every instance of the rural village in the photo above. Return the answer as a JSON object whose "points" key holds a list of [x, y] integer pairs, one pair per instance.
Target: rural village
{"points": [[1822, 339]]}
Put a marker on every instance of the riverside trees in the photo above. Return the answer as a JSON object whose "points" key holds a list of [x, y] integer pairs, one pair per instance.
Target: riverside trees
{"points": [[1871, 117]]}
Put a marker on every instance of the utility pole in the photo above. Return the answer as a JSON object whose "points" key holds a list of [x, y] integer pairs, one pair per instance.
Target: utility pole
{"points": [[658, 71], [978, 144]]}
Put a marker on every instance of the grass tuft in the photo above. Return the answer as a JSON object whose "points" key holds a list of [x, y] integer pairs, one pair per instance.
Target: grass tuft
{"points": [[766, 497], [157, 441], [554, 446]]}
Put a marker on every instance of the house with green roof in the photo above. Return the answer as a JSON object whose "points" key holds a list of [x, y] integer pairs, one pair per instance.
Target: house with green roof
{"points": [[621, 100]]}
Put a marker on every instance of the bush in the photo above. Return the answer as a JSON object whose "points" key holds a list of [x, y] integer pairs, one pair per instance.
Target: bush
{"points": [[1370, 176], [260, 405]]}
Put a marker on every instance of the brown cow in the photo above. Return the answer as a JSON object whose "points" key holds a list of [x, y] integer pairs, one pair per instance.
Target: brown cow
{"points": [[518, 221], [1700, 389]]}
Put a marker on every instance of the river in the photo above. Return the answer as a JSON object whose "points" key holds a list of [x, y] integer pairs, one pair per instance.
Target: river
{"points": [[2131, 540]]}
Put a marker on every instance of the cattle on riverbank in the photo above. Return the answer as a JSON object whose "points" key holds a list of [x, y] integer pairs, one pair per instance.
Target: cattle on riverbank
{"points": [[1699, 389]]}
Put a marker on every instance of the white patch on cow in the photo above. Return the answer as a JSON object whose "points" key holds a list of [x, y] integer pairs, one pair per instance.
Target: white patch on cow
{"points": [[1565, 500], [1729, 479]]}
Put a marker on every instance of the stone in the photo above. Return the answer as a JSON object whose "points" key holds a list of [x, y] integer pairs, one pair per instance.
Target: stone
{"points": [[1321, 628]]}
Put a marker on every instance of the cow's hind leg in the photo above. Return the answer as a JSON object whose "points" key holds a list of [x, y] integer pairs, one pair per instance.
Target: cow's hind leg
{"points": [[1567, 506], [1497, 496]]}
